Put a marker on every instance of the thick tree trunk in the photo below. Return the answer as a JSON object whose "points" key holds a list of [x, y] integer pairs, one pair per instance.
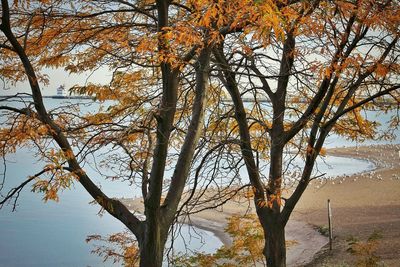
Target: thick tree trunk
{"points": [[152, 247], [275, 247], [274, 226], [152, 255]]}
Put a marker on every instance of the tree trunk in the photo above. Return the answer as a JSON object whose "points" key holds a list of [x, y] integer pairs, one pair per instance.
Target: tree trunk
{"points": [[152, 255], [275, 247], [152, 247]]}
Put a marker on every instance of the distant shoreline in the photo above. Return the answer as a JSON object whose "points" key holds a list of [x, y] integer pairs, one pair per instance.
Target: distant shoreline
{"points": [[224, 100], [50, 96]]}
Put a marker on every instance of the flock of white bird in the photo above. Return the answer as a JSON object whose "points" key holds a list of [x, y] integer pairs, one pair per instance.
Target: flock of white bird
{"points": [[383, 157]]}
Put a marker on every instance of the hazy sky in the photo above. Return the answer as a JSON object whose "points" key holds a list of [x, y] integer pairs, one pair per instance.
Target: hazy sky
{"points": [[59, 77]]}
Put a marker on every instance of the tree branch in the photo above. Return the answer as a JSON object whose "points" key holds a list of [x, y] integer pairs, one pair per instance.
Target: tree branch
{"points": [[192, 136], [114, 207], [359, 104], [18, 189], [240, 115]]}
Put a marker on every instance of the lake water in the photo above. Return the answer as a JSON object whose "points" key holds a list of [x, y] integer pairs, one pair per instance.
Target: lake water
{"points": [[53, 234]]}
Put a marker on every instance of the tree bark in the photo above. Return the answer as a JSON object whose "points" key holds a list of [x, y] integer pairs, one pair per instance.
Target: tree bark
{"points": [[271, 219], [152, 246], [275, 247]]}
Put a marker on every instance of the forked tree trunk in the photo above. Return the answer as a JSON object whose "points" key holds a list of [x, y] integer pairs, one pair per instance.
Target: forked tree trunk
{"points": [[275, 247]]}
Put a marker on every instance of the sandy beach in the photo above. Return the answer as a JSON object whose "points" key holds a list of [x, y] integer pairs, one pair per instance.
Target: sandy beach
{"points": [[362, 204]]}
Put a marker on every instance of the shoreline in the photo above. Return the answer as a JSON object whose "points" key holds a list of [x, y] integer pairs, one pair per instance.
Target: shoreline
{"points": [[51, 96], [217, 228], [214, 226], [362, 203], [361, 153], [309, 241]]}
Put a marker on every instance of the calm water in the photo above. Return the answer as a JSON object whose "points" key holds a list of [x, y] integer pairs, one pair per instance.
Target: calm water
{"points": [[53, 234]]}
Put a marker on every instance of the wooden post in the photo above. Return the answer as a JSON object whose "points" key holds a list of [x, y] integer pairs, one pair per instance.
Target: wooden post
{"points": [[330, 224]]}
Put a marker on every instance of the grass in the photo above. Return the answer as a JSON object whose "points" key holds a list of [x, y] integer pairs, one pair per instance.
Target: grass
{"points": [[323, 229]]}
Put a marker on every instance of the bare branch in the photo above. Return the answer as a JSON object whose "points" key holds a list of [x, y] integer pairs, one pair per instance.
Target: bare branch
{"points": [[17, 190]]}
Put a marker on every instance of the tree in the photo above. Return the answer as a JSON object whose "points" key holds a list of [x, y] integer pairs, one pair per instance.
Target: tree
{"points": [[321, 65], [309, 68], [153, 100]]}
